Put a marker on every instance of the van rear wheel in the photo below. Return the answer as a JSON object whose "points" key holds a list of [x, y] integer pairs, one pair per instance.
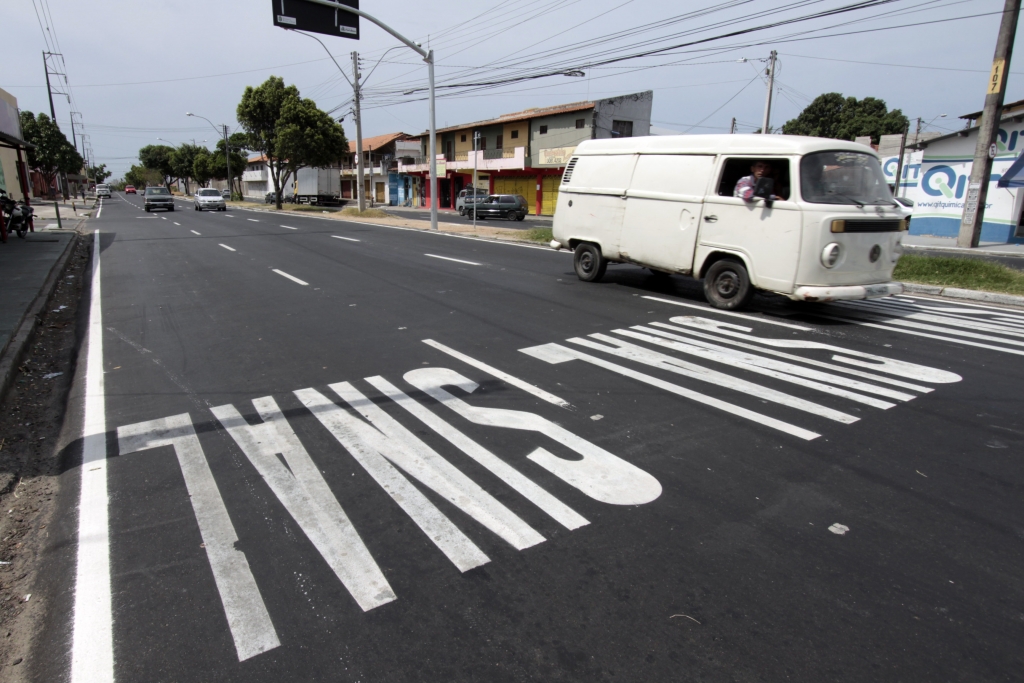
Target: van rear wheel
{"points": [[727, 285], [589, 263]]}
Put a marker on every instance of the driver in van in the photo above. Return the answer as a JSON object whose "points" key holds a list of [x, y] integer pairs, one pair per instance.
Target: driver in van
{"points": [[745, 185]]}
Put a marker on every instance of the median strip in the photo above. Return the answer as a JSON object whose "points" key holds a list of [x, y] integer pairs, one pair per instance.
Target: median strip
{"points": [[448, 258], [227, 247], [290, 277]]}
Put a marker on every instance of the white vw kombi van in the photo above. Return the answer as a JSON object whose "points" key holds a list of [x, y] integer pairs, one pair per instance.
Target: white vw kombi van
{"points": [[825, 227]]}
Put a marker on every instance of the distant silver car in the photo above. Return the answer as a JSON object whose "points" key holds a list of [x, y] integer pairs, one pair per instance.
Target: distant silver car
{"points": [[102, 190], [466, 198], [208, 198]]}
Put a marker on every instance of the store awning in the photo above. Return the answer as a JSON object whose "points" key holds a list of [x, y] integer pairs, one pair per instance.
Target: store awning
{"points": [[1014, 176]]}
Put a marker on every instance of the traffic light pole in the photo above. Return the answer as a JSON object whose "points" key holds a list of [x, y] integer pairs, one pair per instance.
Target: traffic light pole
{"points": [[428, 57], [986, 149]]}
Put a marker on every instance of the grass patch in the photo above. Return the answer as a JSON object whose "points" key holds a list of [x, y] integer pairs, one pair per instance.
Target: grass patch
{"points": [[367, 213], [539, 235], [966, 273], [309, 207]]}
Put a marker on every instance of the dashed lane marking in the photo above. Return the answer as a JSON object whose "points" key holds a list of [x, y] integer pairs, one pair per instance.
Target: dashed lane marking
{"points": [[254, 220], [447, 258], [227, 247], [286, 226], [339, 237], [197, 233], [290, 277], [177, 223]]}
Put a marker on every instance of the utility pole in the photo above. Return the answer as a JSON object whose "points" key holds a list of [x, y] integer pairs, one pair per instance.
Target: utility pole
{"points": [[771, 86], [476, 139], [899, 164], [373, 195], [988, 130], [732, 126], [227, 161], [359, 132], [53, 113]]}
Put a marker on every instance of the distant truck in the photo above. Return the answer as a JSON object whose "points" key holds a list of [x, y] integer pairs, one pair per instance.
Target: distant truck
{"points": [[318, 186]]}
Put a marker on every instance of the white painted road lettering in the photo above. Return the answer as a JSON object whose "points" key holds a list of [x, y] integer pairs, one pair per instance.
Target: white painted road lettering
{"points": [[246, 613]]}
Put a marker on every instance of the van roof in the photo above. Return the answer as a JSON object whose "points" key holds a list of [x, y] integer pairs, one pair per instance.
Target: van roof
{"points": [[747, 145]]}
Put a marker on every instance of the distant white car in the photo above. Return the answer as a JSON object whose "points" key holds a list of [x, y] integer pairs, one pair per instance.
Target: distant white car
{"points": [[102, 190], [208, 198]]}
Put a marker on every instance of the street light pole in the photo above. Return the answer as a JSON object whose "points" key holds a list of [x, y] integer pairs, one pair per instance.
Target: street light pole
{"points": [[227, 150], [428, 57], [771, 86]]}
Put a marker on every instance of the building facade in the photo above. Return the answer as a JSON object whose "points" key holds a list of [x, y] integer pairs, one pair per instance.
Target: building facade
{"points": [[936, 172], [524, 152], [14, 176]]}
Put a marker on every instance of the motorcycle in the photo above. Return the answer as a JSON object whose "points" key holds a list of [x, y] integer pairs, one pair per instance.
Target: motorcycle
{"points": [[17, 214]]}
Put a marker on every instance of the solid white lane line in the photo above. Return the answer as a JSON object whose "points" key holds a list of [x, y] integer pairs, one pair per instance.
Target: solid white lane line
{"points": [[495, 372], [285, 226], [446, 258], [252, 219], [99, 210], [290, 277], [177, 223], [558, 510], [92, 649], [708, 309], [227, 247], [339, 237], [198, 233], [251, 627]]}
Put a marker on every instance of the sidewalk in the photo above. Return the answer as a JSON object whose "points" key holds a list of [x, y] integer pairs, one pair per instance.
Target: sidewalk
{"points": [[30, 268]]}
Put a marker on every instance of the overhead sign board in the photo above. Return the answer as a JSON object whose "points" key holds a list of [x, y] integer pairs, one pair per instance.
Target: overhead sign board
{"points": [[316, 17]]}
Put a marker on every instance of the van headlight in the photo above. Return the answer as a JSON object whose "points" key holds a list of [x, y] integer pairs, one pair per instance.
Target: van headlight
{"points": [[830, 255]]}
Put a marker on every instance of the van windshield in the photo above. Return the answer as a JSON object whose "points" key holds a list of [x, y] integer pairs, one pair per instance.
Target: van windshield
{"points": [[843, 178]]}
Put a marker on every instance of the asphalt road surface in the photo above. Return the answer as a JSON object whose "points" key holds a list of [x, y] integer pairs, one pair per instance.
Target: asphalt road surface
{"points": [[333, 451]]}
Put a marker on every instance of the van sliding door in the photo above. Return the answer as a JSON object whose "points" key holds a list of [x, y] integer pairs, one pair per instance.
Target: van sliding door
{"points": [[663, 210]]}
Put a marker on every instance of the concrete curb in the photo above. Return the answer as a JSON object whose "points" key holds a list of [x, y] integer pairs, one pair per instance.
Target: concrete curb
{"points": [[22, 337], [966, 252], [967, 294]]}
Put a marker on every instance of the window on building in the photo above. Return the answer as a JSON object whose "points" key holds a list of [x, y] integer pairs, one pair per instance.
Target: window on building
{"points": [[463, 138], [543, 130], [580, 123], [497, 142], [515, 134], [483, 142], [622, 129]]}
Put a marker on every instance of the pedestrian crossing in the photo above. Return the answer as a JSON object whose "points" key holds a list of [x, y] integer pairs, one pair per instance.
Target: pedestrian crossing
{"points": [[787, 379]]}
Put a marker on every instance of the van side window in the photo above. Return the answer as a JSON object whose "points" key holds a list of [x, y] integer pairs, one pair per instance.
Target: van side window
{"points": [[736, 168]]}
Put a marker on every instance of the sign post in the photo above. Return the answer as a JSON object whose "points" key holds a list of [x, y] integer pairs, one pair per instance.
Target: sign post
{"points": [[341, 18]]}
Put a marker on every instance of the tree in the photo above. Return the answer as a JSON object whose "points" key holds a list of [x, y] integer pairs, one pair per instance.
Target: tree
{"points": [[290, 132], [53, 154], [100, 173], [182, 160], [844, 118], [202, 167], [141, 177], [158, 158], [237, 143]]}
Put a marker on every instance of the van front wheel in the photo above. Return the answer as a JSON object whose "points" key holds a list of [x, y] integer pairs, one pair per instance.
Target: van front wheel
{"points": [[589, 263], [727, 285]]}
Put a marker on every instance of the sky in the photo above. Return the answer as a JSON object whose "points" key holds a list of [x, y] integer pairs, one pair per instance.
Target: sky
{"points": [[134, 69]]}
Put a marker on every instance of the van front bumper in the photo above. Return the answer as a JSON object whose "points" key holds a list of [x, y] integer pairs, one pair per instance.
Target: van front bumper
{"points": [[846, 292]]}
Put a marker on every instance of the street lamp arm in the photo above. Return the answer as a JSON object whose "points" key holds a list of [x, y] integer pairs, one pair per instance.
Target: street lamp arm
{"points": [[412, 46], [219, 132], [310, 35]]}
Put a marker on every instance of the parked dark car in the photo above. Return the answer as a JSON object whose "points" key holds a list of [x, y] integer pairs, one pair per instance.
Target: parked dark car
{"points": [[157, 198], [270, 198], [511, 207]]}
